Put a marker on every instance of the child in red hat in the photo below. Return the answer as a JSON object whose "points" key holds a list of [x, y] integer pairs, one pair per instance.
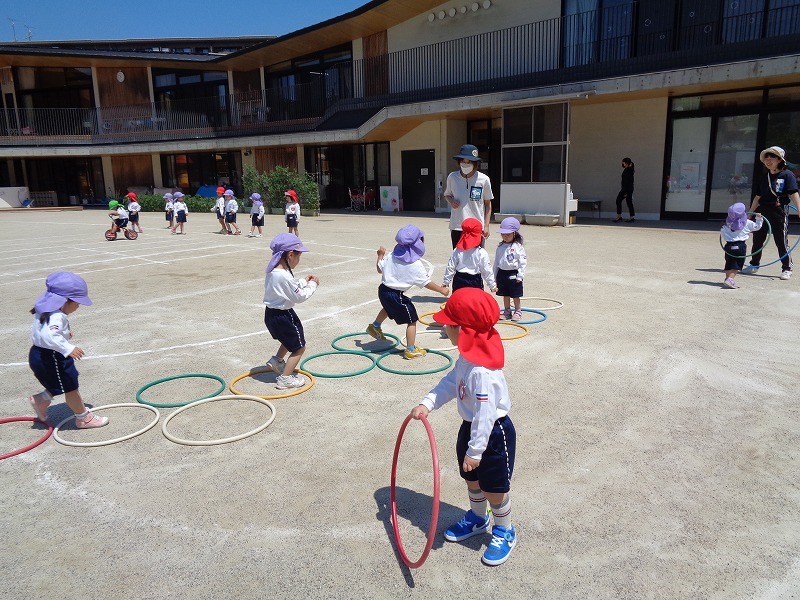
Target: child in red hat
{"points": [[292, 210], [469, 265], [486, 444]]}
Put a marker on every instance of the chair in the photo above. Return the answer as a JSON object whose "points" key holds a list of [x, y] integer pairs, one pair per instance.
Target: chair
{"points": [[356, 199]]}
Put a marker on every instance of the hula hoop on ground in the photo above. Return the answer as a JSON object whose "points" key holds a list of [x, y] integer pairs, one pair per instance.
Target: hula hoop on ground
{"points": [[530, 310], [525, 330], [435, 505], [147, 427], [437, 332], [788, 252], [293, 392], [347, 335], [559, 303], [41, 440], [341, 375], [766, 242], [234, 438], [428, 372], [432, 323], [178, 404]]}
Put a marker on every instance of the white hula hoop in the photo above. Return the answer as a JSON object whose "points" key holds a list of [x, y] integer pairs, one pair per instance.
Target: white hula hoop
{"points": [[234, 438], [437, 332], [149, 426], [560, 304]]}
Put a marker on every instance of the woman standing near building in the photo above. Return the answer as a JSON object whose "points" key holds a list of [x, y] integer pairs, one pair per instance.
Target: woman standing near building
{"points": [[626, 191], [469, 193]]}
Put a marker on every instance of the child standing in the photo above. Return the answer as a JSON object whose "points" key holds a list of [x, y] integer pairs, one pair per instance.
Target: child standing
{"points": [[735, 232], [469, 265], [400, 271], [231, 208], [256, 215], [169, 210], [219, 208], [133, 211], [52, 357], [181, 210], [292, 210], [510, 261], [281, 292], [486, 445]]}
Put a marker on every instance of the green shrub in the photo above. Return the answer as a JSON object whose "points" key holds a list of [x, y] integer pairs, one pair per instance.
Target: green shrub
{"points": [[155, 203], [283, 178]]}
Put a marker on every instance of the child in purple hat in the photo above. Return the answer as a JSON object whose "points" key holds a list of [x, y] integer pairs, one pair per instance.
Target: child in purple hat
{"points": [[52, 357], [735, 232], [281, 292], [510, 262], [256, 215], [400, 271]]}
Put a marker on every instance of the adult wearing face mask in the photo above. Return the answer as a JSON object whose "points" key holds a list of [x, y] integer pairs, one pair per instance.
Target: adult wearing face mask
{"points": [[469, 193]]}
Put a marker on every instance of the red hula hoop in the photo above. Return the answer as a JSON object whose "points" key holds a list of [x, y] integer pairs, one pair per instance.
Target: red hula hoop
{"points": [[434, 507], [42, 440]]}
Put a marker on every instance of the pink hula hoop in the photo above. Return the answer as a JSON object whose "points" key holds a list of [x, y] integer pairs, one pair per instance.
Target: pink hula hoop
{"points": [[41, 440], [435, 506]]}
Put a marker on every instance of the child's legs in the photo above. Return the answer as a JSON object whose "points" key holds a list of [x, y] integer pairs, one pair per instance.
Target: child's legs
{"points": [[75, 402], [517, 303], [382, 315], [507, 302], [730, 274], [292, 361], [411, 334]]}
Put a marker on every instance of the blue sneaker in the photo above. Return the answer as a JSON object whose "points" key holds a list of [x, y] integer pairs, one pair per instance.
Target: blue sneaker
{"points": [[503, 542], [470, 525]]}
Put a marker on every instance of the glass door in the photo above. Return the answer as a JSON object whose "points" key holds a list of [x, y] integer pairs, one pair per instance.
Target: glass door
{"points": [[686, 180], [734, 153]]}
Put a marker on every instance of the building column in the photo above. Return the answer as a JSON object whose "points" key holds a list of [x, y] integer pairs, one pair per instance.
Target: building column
{"points": [[301, 158], [158, 180], [108, 176]]}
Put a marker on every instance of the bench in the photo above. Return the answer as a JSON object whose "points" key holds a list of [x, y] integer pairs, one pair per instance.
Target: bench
{"points": [[592, 204]]}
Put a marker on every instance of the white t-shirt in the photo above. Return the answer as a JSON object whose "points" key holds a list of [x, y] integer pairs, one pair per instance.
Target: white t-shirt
{"points": [[220, 205], [470, 194], [282, 291], [472, 261], [402, 276], [53, 334], [742, 234], [293, 208], [123, 214], [134, 207], [511, 256], [232, 206]]}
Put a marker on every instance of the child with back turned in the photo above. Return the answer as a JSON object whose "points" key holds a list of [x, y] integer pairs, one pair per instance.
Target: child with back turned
{"points": [[400, 271], [486, 444], [735, 233], [52, 356], [469, 265]]}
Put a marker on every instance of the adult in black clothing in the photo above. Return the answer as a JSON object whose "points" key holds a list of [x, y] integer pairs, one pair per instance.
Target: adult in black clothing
{"points": [[626, 193], [777, 188]]}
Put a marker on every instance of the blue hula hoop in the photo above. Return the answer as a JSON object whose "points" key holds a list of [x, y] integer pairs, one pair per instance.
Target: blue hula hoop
{"points": [[788, 252]]}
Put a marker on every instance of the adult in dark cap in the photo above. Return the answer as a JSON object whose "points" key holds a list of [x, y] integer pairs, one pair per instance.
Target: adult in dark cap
{"points": [[468, 192]]}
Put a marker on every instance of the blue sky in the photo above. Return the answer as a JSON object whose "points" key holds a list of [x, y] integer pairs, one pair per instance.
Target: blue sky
{"points": [[118, 19]]}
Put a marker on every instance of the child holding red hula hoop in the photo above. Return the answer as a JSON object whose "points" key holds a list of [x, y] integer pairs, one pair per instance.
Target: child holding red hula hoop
{"points": [[486, 444], [52, 357]]}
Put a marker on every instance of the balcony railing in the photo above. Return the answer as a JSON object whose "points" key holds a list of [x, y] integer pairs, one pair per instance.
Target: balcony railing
{"points": [[571, 49]]}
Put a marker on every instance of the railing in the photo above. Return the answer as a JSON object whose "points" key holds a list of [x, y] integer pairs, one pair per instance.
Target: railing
{"points": [[575, 48]]}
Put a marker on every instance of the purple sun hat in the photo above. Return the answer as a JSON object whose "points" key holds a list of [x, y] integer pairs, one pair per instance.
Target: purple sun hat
{"points": [[283, 242], [62, 286], [256, 198], [410, 247], [737, 217]]}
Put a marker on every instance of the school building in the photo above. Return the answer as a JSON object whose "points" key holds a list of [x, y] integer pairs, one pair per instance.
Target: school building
{"points": [[554, 93]]}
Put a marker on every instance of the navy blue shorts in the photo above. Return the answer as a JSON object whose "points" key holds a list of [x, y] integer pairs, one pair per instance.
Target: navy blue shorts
{"points": [[181, 218], [219, 214], [461, 280], [733, 262], [397, 305], [257, 221], [507, 284], [291, 220], [121, 223], [56, 373], [285, 326], [134, 217], [497, 463], [168, 215], [230, 217]]}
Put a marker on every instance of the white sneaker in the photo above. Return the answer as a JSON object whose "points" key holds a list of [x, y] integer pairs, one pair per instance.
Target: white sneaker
{"points": [[750, 269], [259, 235], [289, 381], [786, 275], [276, 364]]}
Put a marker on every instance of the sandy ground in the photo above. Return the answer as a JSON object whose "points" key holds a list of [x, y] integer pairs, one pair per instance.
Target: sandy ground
{"points": [[657, 418]]}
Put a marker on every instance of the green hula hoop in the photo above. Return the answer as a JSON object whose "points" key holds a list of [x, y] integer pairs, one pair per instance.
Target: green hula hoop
{"points": [[348, 335], [340, 375], [428, 372], [179, 404], [766, 242], [531, 322]]}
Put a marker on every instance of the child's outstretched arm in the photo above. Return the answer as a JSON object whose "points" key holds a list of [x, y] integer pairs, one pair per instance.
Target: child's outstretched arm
{"points": [[381, 252], [444, 291]]}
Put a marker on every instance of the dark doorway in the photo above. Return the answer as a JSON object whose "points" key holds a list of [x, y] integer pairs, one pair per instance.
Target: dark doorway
{"points": [[419, 179]]}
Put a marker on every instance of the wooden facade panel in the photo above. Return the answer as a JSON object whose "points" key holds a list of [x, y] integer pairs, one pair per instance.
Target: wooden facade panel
{"points": [[269, 158], [376, 64], [134, 90], [132, 171]]}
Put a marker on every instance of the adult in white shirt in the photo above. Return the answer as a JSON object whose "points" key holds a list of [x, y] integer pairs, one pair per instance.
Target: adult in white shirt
{"points": [[469, 193]]}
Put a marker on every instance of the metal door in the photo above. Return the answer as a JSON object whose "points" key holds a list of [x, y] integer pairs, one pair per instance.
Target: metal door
{"points": [[419, 179]]}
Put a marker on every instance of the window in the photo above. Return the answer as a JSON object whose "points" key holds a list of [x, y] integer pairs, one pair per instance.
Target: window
{"points": [[534, 144], [597, 30]]}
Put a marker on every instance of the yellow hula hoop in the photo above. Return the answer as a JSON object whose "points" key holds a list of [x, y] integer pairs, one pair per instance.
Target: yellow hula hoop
{"points": [[293, 392], [525, 330], [432, 323]]}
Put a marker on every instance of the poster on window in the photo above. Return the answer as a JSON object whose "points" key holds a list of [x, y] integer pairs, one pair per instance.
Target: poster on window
{"points": [[690, 176]]}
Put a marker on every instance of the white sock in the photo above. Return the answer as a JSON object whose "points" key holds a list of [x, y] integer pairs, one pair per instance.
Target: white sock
{"points": [[83, 415], [477, 503], [502, 513]]}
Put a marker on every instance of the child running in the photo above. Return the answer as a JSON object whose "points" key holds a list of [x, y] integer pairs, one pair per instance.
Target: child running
{"points": [[735, 232], [231, 208], [169, 210], [133, 211], [486, 445], [256, 215], [469, 265], [292, 210], [219, 208], [181, 210], [510, 261], [281, 292], [52, 357], [400, 271]]}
